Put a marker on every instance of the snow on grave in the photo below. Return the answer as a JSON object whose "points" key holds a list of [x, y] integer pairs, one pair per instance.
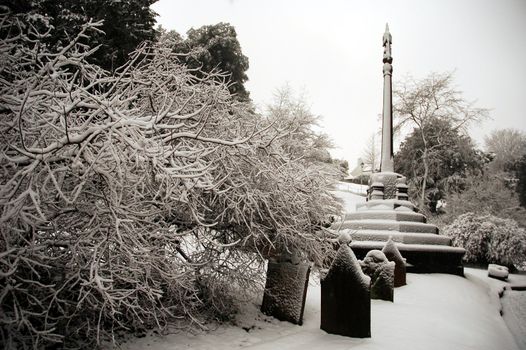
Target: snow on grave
{"points": [[346, 297], [286, 289], [381, 271], [393, 254]]}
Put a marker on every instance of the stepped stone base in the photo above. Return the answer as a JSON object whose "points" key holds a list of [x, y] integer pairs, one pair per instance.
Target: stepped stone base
{"points": [[389, 215], [400, 237], [420, 259]]}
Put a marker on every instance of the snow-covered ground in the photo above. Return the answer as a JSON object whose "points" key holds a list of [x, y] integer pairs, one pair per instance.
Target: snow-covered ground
{"points": [[433, 311], [514, 308], [353, 188], [350, 198]]}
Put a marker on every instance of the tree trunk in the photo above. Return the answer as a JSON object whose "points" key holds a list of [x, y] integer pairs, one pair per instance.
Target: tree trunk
{"points": [[426, 173], [424, 183]]}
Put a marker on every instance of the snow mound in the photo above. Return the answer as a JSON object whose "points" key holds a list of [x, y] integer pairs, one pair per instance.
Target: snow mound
{"points": [[498, 271]]}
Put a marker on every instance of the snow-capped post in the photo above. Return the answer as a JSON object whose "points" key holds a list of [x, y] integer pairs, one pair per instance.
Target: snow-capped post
{"points": [[381, 271], [346, 297], [393, 254], [286, 288]]}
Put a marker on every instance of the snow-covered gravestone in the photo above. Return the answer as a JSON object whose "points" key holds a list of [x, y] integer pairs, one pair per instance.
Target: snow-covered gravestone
{"points": [[286, 289], [381, 271], [346, 297], [393, 254]]}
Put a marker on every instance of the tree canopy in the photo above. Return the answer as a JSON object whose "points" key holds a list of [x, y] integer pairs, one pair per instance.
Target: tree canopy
{"points": [[507, 147], [126, 23], [439, 115], [214, 47], [450, 157]]}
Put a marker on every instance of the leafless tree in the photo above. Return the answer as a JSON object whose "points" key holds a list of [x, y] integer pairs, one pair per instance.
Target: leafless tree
{"points": [[371, 154], [292, 111], [419, 103], [507, 146], [133, 199]]}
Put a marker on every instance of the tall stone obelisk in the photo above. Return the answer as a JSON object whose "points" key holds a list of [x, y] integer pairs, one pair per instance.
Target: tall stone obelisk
{"points": [[387, 164], [387, 184]]}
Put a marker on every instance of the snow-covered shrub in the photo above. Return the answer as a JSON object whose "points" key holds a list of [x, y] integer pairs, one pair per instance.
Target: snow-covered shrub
{"points": [[489, 239], [130, 200], [489, 194]]}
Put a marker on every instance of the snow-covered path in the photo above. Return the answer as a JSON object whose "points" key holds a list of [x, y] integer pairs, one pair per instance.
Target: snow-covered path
{"points": [[433, 311]]}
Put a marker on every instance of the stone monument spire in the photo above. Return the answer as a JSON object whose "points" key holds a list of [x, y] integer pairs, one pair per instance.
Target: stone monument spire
{"points": [[389, 214], [387, 164]]}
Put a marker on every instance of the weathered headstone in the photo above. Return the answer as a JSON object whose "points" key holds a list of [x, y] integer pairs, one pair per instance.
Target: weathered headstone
{"points": [[346, 297], [381, 271], [286, 289], [393, 254]]}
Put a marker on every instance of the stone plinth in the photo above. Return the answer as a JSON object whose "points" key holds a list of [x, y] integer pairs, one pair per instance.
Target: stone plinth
{"points": [[389, 180]]}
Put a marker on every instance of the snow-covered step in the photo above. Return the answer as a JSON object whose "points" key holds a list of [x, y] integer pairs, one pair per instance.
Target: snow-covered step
{"points": [[423, 258], [409, 247], [386, 215], [387, 225], [400, 237], [386, 204]]}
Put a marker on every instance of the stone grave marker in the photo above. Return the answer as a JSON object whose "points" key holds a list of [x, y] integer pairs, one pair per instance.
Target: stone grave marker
{"points": [[393, 254], [346, 297], [381, 271], [286, 289]]}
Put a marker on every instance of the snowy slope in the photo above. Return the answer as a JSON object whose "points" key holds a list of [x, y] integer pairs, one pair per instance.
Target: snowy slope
{"points": [[354, 188], [350, 199]]}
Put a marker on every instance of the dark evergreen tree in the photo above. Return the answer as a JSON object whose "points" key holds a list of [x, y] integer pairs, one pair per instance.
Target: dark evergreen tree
{"points": [[215, 47], [127, 23], [451, 156]]}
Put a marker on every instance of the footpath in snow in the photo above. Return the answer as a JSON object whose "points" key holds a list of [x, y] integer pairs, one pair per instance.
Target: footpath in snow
{"points": [[433, 311]]}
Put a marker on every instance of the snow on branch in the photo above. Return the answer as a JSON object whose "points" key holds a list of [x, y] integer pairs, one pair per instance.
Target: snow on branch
{"points": [[130, 200]]}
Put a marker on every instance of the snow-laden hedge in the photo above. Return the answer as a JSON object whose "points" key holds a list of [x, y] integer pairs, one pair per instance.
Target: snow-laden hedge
{"points": [[489, 239]]}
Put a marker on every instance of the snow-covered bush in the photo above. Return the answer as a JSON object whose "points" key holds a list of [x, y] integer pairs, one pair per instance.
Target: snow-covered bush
{"points": [[133, 199], [488, 194], [489, 239]]}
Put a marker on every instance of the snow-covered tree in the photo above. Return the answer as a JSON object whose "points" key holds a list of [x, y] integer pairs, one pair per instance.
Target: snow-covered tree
{"points": [[214, 47], [371, 154], [450, 158], [125, 24], [421, 104], [507, 147], [134, 199]]}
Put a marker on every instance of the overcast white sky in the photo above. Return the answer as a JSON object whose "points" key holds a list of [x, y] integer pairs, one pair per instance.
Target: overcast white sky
{"points": [[332, 50]]}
